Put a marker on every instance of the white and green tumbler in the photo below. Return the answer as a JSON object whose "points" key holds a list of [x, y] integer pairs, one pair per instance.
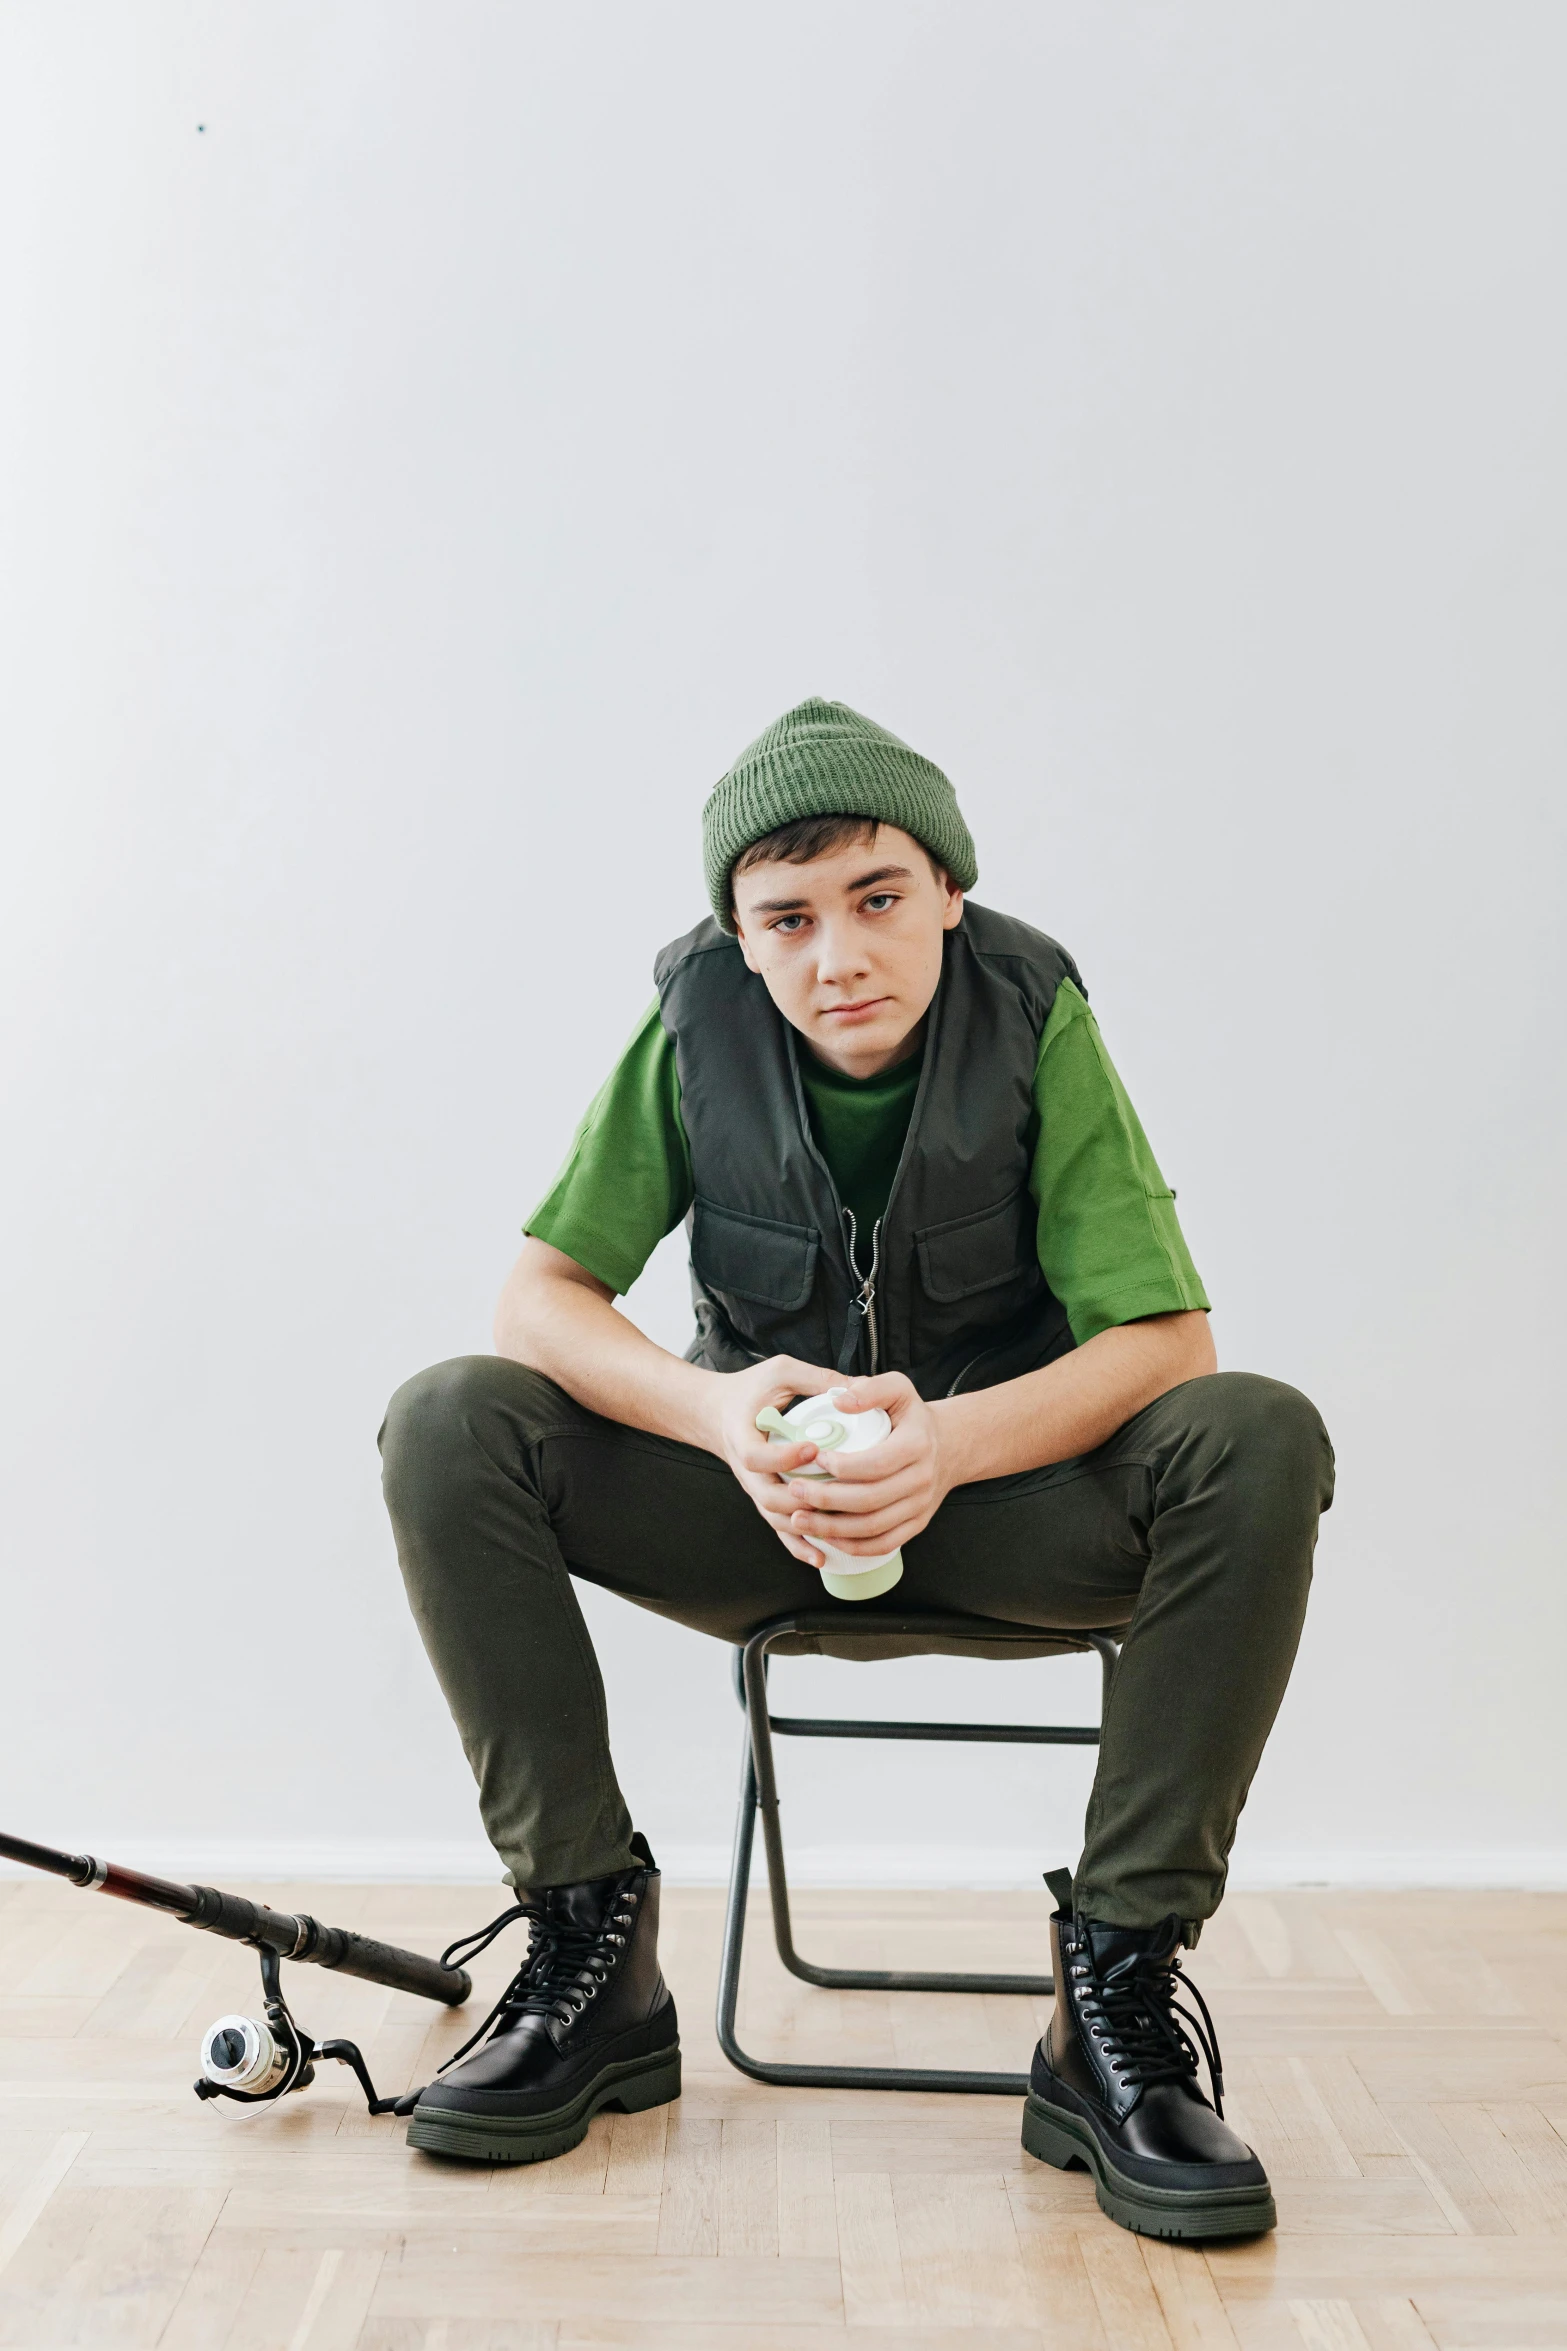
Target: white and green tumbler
{"points": [[822, 1422]]}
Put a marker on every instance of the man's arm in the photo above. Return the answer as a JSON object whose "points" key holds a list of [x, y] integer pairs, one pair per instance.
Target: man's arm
{"points": [[1073, 1405], [1069, 1407], [559, 1319]]}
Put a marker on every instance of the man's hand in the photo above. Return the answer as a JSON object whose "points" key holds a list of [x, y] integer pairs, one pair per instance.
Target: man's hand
{"points": [[561, 1320], [881, 1499], [878, 1500], [755, 1460]]}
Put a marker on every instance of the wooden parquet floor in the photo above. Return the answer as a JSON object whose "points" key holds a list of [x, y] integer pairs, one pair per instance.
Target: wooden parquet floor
{"points": [[1398, 2061]]}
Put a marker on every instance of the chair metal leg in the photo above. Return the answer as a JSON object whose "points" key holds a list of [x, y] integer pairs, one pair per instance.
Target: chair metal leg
{"points": [[854, 1979], [815, 2077], [759, 1792]]}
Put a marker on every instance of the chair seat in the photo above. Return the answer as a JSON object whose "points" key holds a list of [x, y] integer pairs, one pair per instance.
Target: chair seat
{"points": [[872, 1634]]}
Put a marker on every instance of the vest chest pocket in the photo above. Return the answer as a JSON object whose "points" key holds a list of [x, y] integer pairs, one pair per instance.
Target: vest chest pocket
{"points": [[979, 1252], [754, 1257]]}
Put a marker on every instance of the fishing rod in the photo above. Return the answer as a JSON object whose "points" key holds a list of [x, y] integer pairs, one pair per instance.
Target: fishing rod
{"points": [[257, 2061]]}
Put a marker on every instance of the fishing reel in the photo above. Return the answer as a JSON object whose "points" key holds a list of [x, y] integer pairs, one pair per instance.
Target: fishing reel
{"points": [[255, 2061]]}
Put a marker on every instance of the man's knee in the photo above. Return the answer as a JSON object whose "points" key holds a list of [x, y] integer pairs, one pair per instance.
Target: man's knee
{"points": [[453, 1416], [1268, 1430]]}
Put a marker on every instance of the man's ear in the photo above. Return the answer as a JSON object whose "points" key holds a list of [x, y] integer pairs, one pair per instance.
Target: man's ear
{"points": [[751, 963], [954, 908]]}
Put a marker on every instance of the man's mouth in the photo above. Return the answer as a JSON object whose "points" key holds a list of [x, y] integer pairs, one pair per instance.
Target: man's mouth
{"points": [[860, 1010]]}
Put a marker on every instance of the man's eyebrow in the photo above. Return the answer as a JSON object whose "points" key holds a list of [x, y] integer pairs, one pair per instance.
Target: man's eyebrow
{"points": [[879, 873]]}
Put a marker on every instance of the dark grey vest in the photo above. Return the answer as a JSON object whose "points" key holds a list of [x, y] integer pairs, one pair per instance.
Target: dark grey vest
{"points": [[948, 1289]]}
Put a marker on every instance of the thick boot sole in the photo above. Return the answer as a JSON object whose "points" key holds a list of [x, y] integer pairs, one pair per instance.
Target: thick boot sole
{"points": [[1059, 2138], [629, 2088]]}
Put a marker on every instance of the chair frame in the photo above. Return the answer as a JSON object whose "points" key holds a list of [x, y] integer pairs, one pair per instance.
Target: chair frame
{"points": [[759, 1793]]}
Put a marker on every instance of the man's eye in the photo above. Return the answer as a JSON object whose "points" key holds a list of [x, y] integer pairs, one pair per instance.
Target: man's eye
{"points": [[880, 898], [787, 922]]}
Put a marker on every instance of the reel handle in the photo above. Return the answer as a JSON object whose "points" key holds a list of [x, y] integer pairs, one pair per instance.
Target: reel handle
{"points": [[257, 2063]]}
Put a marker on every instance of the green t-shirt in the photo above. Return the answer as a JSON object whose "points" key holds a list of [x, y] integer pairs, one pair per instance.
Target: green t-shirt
{"points": [[859, 1125], [1109, 1243]]}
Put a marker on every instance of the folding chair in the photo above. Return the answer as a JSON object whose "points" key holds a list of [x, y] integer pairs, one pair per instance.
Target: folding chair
{"points": [[884, 1634]]}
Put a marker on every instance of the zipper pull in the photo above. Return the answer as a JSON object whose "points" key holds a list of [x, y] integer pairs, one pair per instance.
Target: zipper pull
{"points": [[852, 1329], [868, 1296], [866, 1299]]}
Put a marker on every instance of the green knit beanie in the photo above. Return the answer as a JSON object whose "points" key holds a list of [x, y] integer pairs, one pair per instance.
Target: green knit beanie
{"points": [[823, 759]]}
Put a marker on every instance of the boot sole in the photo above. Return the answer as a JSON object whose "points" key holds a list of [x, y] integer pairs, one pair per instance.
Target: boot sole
{"points": [[1060, 2139], [630, 2088]]}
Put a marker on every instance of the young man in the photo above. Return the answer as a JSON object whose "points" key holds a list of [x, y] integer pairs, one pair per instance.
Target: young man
{"points": [[906, 1163]]}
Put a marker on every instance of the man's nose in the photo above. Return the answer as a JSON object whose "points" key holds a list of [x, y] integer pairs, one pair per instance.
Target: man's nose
{"points": [[840, 955]]}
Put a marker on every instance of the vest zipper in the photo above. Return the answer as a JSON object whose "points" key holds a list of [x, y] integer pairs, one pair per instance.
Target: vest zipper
{"points": [[866, 1300]]}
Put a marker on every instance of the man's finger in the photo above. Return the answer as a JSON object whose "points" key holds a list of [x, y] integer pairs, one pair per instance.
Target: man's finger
{"points": [[780, 1509], [771, 1499], [874, 1543], [877, 1462], [798, 1548], [875, 1546], [791, 1377], [881, 1392], [879, 1465], [856, 1497], [761, 1455], [852, 1534], [767, 1495]]}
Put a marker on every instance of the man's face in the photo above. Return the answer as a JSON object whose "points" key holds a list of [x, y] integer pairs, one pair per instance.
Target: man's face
{"points": [[849, 946]]}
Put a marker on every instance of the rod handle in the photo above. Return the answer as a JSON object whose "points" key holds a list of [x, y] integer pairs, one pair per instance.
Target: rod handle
{"points": [[385, 1963], [305, 1939]]}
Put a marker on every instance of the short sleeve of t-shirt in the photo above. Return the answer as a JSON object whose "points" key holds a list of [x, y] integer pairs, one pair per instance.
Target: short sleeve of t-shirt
{"points": [[626, 1181], [1109, 1243]]}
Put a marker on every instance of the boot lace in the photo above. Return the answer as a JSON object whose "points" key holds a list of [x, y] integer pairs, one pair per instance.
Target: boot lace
{"points": [[566, 1967], [1148, 2035]]}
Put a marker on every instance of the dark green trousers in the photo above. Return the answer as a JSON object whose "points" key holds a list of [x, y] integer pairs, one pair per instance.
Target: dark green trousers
{"points": [[1193, 1527]]}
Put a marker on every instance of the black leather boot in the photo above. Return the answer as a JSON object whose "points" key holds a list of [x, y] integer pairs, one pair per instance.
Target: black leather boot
{"points": [[1114, 2087], [586, 2022]]}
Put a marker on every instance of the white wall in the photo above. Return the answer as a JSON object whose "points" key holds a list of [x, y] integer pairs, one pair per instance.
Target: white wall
{"points": [[422, 480]]}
